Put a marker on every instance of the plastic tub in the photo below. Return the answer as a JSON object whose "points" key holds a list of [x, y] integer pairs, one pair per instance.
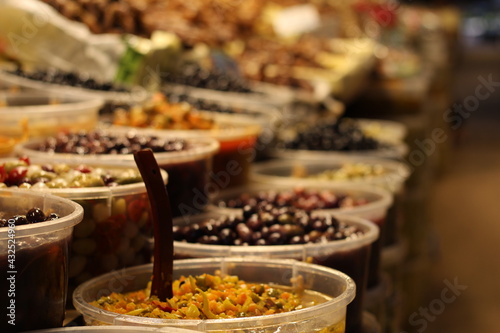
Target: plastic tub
{"points": [[375, 210], [115, 231], [34, 261], [329, 315], [116, 329], [189, 171], [136, 94], [237, 136], [36, 115], [348, 256]]}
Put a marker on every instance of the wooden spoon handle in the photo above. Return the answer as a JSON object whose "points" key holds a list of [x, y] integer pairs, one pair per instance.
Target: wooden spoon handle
{"points": [[162, 223]]}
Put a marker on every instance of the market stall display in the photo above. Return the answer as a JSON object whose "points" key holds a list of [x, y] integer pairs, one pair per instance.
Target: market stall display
{"points": [[212, 87]]}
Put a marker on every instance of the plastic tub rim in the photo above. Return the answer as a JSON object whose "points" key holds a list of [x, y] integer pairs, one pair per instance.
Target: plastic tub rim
{"points": [[96, 192], [385, 198], [114, 329], [398, 150], [67, 221], [342, 300], [371, 234]]}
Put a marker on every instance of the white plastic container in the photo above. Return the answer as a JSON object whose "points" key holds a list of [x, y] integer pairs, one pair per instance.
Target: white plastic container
{"points": [[350, 256], [336, 286], [34, 260]]}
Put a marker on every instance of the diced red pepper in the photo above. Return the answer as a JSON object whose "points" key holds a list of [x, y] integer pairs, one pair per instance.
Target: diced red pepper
{"points": [[83, 169], [25, 159]]}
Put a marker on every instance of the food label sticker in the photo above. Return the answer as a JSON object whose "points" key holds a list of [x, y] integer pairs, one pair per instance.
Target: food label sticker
{"points": [[296, 20]]}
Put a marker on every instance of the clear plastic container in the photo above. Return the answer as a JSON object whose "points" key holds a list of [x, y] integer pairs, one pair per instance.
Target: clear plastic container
{"points": [[36, 115], [237, 136], [392, 178], [136, 94], [286, 172], [34, 261], [375, 210], [189, 171], [328, 316], [115, 329], [350, 256]]}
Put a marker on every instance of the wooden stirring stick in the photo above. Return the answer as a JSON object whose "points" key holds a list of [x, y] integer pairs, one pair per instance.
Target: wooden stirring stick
{"points": [[162, 224]]}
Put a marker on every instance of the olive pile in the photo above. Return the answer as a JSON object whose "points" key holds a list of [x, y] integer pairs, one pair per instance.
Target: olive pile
{"points": [[98, 142], [277, 226], [34, 215], [299, 198], [198, 103], [341, 135], [195, 76], [56, 76]]}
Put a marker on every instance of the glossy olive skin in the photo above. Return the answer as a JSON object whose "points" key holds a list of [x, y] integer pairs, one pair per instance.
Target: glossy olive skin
{"points": [[34, 215]]}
